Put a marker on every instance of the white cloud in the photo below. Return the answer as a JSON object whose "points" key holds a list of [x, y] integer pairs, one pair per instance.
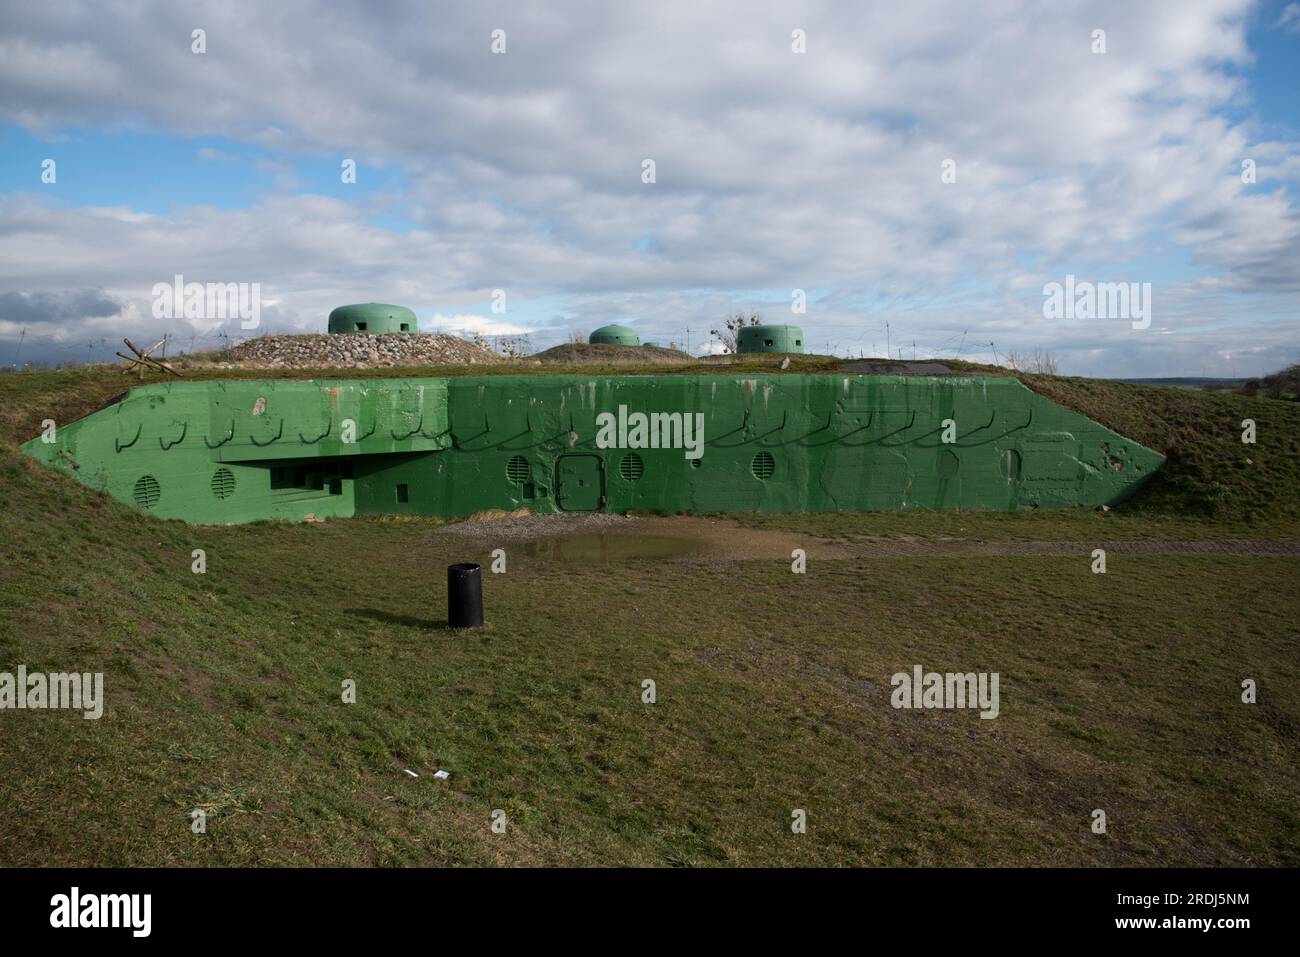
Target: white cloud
{"points": [[216, 155], [469, 325], [775, 170]]}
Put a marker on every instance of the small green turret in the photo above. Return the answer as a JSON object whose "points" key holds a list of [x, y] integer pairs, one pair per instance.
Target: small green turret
{"points": [[373, 317]]}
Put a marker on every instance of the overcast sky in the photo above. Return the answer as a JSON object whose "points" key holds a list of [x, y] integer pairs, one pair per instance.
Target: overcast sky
{"points": [[774, 170]]}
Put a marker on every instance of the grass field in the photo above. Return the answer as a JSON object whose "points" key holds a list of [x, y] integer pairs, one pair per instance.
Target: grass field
{"points": [[1118, 691]]}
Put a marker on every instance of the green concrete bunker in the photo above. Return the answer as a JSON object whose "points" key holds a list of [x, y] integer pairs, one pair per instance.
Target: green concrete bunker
{"points": [[224, 452]]}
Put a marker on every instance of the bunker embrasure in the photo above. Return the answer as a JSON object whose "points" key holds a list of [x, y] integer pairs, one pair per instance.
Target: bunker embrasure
{"points": [[242, 450]]}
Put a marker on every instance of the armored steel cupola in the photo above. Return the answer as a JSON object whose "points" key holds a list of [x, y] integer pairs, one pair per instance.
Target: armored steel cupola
{"points": [[616, 335], [373, 317], [769, 339]]}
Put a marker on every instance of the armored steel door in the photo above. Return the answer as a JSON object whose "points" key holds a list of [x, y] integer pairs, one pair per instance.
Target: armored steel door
{"points": [[580, 483]]}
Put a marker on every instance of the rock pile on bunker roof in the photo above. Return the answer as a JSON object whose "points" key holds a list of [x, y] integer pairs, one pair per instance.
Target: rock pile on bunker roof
{"points": [[355, 351]]}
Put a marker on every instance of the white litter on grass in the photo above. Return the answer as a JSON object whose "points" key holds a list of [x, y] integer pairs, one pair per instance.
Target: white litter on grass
{"points": [[410, 772], [442, 774]]}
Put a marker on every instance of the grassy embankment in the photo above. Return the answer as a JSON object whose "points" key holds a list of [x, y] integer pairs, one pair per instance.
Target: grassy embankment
{"points": [[1118, 692]]}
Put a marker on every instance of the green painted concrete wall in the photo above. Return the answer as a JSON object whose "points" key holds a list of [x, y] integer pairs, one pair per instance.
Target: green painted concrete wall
{"points": [[209, 452], [452, 447]]}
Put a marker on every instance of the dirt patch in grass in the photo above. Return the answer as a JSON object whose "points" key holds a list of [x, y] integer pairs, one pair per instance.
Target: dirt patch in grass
{"points": [[709, 538], [728, 539], [525, 526]]}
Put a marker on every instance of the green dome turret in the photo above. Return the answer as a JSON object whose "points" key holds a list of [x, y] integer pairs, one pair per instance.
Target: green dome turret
{"points": [[616, 335], [769, 339], [373, 317]]}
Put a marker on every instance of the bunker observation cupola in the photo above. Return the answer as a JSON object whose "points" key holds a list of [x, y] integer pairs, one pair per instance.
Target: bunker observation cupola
{"points": [[373, 317], [615, 335], [769, 339]]}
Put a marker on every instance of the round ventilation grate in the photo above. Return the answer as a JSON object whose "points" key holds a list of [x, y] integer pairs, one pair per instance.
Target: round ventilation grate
{"points": [[517, 470], [223, 483], [631, 468], [763, 465], [147, 491]]}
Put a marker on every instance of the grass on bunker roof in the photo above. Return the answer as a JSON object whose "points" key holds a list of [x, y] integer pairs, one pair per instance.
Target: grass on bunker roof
{"points": [[1118, 691]]}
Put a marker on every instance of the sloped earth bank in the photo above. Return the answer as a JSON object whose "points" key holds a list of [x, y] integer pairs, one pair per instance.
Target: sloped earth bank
{"points": [[605, 352]]}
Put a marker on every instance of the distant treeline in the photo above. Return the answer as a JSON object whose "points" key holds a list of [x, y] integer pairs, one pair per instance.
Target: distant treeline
{"points": [[1278, 385]]}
